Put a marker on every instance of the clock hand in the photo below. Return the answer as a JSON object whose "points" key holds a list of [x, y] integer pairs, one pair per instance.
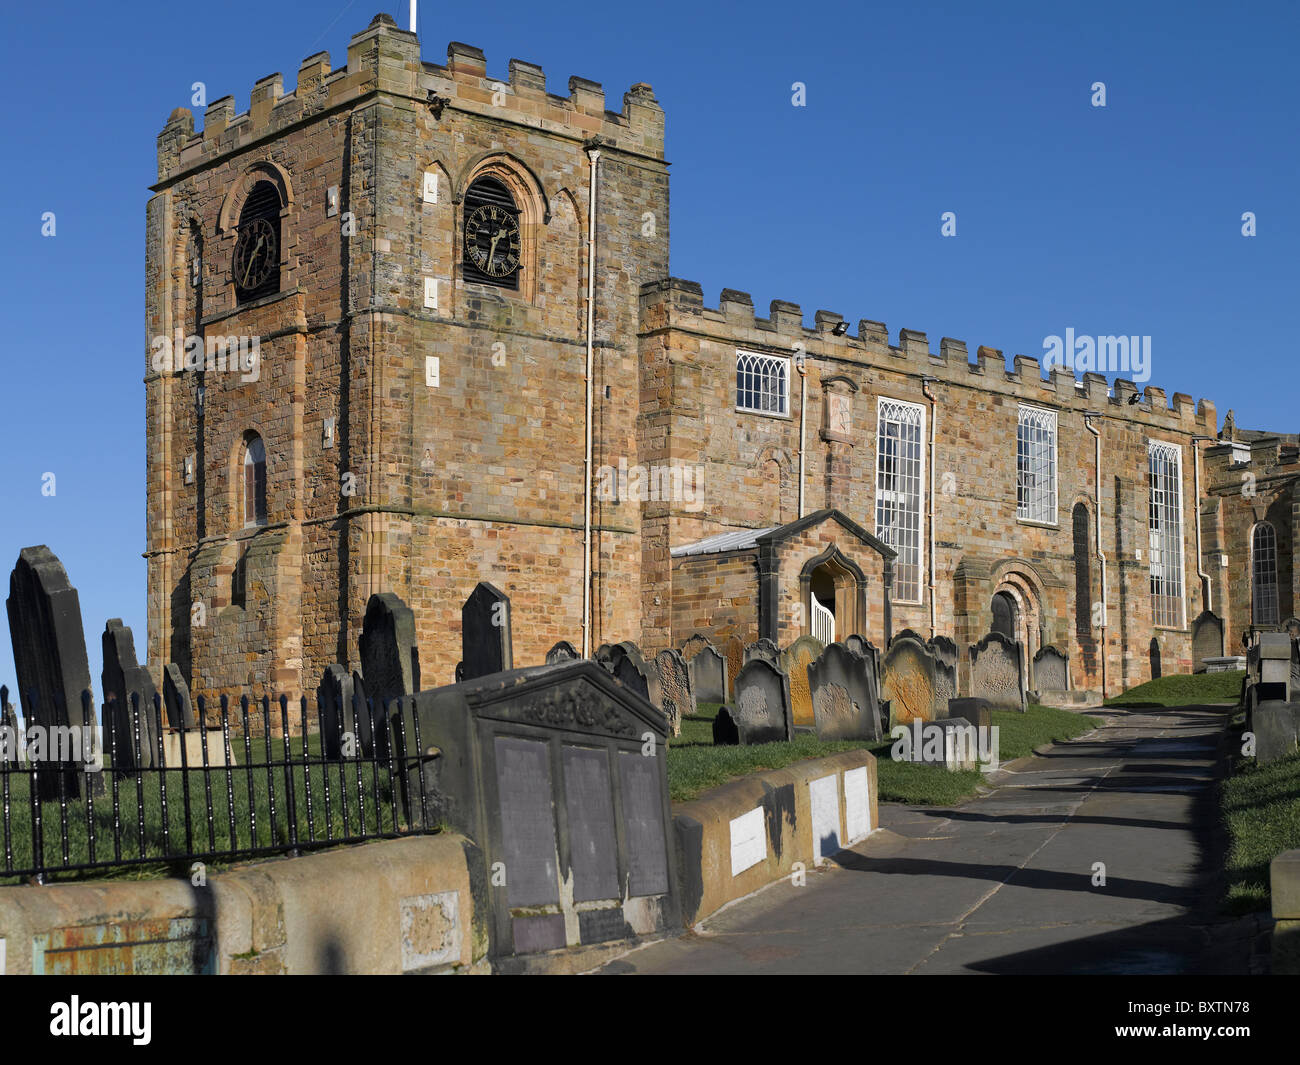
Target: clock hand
{"points": [[249, 265], [493, 250]]}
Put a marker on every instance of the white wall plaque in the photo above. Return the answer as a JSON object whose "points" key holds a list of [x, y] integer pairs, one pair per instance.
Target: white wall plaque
{"points": [[857, 805], [331, 201], [431, 186], [748, 840], [431, 371], [431, 293], [824, 798]]}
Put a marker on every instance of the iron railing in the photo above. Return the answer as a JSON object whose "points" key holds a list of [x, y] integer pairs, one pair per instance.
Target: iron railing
{"points": [[259, 793]]}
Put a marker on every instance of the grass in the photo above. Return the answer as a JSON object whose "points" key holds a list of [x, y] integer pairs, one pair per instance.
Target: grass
{"points": [[695, 765], [17, 852], [1260, 805], [1183, 689]]}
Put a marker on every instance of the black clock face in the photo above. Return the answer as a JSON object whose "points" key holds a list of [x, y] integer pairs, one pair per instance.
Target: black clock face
{"points": [[492, 240], [256, 254]]}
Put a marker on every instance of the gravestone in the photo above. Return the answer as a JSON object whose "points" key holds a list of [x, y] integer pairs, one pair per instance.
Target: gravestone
{"points": [[795, 662], [944, 650], [365, 715], [764, 649], [121, 678], [627, 660], [845, 703], [562, 652], [390, 664], [907, 680], [995, 672], [1207, 639], [734, 649], [697, 643], [334, 696], [857, 644], [49, 646], [604, 654], [485, 632], [1051, 670], [708, 676], [176, 698], [1276, 727], [1292, 627], [725, 733], [547, 770], [906, 634], [628, 672], [977, 711], [762, 708], [675, 688]]}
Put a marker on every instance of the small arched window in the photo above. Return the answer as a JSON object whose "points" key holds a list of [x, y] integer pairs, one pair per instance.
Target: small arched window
{"points": [[256, 265], [254, 481], [1263, 566], [493, 245]]}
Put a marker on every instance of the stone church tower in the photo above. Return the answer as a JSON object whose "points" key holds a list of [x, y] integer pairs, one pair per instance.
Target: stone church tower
{"points": [[368, 338]]}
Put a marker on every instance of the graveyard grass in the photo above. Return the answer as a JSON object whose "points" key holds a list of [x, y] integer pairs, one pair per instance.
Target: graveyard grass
{"points": [[18, 842], [1261, 809], [695, 765], [1183, 689]]}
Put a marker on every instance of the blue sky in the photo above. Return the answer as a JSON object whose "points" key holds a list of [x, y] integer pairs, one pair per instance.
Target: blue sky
{"points": [[1117, 220]]}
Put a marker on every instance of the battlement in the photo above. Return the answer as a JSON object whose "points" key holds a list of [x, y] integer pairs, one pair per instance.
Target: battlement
{"points": [[674, 302], [384, 58]]}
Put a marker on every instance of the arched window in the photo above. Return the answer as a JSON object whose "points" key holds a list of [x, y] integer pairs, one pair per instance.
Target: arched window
{"points": [[1263, 567], [493, 246], [254, 481], [256, 265]]}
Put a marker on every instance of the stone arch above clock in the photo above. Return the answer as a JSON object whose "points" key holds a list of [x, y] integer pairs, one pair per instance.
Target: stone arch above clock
{"points": [[531, 203]]}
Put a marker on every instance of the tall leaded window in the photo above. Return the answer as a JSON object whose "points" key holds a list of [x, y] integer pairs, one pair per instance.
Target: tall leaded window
{"points": [[900, 470], [1263, 568], [1036, 465], [1166, 529], [762, 383], [254, 481]]}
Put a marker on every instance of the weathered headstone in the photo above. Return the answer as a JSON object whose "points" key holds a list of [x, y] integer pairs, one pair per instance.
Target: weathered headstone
{"points": [[944, 650], [795, 662], [675, 688], [390, 659], [487, 768], [562, 652], [1051, 670], [604, 654], [485, 632], [907, 634], [1276, 727], [335, 698], [176, 698], [121, 679], [365, 715], [734, 649], [845, 704], [764, 649], [762, 708], [857, 644], [907, 680], [995, 672], [708, 676], [628, 652], [697, 643], [49, 647], [977, 711], [1207, 639]]}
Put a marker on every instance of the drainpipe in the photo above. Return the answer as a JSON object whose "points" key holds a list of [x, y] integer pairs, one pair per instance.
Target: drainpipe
{"points": [[1101, 555], [1207, 591], [593, 154], [926, 382], [801, 364]]}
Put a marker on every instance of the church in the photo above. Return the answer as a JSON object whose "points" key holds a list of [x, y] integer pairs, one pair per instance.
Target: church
{"points": [[471, 362]]}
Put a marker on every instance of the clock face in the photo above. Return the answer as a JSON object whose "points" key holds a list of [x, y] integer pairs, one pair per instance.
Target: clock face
{"points": [[255, 254], [492, 240]]}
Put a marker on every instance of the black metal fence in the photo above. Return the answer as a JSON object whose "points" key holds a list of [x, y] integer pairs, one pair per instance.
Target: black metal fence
{"points": [[252, 791]]}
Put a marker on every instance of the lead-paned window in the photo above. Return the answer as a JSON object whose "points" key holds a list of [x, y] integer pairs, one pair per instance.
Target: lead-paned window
{"points": [[1036, 465], [1166, 533], [900, 471], [762, 383]]}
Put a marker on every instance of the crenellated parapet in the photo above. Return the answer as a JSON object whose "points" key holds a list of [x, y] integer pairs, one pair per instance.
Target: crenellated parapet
{"points": [[384, 58], [675, 303]]}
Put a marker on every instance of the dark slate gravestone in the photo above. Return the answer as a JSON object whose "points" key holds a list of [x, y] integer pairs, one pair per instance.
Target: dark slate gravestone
{"points": [[764, 649], [675, 691], [857, 644], [709, 676], [605, 656], [176, 698], [562, 652], [485, 632], [944, 650], [725, 733], [123, 678], [795, 662], [365, 715], [907, 680], [762, 710], [626, 660], [995, 672], [558, 774], [845, 704], [390, 664], [334, 697], [1207, 639], [1051, 670], [697, 643], [50, 659], [906, 634]]}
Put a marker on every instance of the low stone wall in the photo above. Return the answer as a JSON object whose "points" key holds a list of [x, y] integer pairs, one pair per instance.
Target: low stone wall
{"points": [[746, 834], [1284, 884], [394, 906]]}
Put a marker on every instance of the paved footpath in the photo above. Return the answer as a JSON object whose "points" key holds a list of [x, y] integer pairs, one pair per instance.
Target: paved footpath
{"points": [[1004, 882]]}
